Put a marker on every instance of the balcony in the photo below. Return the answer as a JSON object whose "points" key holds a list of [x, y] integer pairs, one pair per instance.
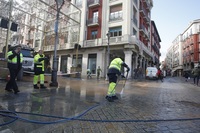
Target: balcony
{"points": [[192, 51], [191, 42], [143, 11], [93, 43], [93, 3], [115, 16], [59, 47], [95, 21], [144, 31]]}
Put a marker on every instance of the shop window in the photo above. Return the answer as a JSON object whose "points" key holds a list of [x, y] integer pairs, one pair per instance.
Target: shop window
{"points": [[92, 63], [79, 61]]}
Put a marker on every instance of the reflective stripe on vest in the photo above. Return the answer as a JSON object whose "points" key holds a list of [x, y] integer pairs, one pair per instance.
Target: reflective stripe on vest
{"points": [[14, 60], [116, 63], [37, 63]]}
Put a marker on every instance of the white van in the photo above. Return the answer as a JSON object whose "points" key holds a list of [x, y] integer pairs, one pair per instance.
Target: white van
{"points": [[151, 73]]}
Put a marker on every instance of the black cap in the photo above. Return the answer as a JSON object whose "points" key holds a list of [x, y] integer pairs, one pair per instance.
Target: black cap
{"points": [[17, 46]]}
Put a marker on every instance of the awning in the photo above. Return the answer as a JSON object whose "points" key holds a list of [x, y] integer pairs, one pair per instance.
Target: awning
{"points": [[177, 68]]}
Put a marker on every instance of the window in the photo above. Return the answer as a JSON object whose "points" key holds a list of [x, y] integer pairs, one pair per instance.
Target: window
{"points": [[37, 43], [78, 3], [95, 16], [134, 31], [116, 31], [66, 38], [116, 12], [94, 34]]}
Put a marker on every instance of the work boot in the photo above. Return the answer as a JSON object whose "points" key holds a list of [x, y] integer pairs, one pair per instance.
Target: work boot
{"points": [[42, 86], [109, 98], [36, 87], [16, 91], [8, 90], [115, 98]]}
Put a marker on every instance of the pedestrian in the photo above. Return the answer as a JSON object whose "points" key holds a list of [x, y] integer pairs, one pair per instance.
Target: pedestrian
{"points": [[186, 75], [113, 71], [15, 59], [140, 73], [89, 74], [39, 70], [98, 72], [160, 75], [135, 73], [195, 73]]}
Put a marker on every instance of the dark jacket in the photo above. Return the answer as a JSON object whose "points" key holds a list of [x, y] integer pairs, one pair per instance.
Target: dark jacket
{"points": [[186, 75], [196, 71]]}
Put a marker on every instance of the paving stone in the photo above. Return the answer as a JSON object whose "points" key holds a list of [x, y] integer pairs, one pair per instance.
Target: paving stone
{"points": [[143, 100]]}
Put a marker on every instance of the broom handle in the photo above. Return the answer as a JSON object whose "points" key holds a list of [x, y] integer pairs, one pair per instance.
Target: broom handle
{"points": [[125, 79]]}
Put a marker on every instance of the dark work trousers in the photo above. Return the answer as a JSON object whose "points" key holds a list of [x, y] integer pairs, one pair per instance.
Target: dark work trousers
{"points": [[12, 83], [112, 77], [196, 77]]}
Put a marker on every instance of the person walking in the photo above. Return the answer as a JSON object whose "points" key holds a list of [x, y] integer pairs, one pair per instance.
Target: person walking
{"points": [[160, 75], [39, 70], [15, 59], [113, 71], [89, 74], [98, 72], [187, 76], [196, 73]]}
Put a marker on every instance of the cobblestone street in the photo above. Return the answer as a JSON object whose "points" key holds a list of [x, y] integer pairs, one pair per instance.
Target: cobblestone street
{"points": [[146, 106]]}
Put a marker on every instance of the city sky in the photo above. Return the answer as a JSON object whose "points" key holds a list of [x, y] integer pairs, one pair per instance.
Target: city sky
{"points": [[172, 17]]}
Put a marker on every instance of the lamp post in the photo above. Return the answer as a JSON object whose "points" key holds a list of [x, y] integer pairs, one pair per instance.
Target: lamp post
{"points": [[108, 53], [59, 4]]}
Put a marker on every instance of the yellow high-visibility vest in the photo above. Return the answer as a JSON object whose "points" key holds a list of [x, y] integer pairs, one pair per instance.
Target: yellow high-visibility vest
{"points": [[36, 61], [116, 63], [14, 60]]}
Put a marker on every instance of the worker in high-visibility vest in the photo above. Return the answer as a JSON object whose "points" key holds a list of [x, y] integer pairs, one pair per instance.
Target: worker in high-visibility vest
{"points": [[15, 59], [113, 73], [39, 70]]}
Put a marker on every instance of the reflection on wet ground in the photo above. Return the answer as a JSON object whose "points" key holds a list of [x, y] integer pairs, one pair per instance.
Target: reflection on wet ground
{"points": [[141, 100]]}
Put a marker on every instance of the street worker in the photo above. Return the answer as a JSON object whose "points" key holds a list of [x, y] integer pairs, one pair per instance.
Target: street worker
{"points": [[15, 59], [39, 70], [113, 72], [98, 72]]}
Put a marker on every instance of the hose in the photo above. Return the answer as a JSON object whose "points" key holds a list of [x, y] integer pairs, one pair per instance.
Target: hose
{"points": [[64, 119], [15, 117], [5, 114]]}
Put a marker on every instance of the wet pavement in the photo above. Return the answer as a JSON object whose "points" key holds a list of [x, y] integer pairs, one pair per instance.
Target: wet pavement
{"points": [[169, 106]]}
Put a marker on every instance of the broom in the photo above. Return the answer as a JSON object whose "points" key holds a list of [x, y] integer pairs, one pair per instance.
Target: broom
{"points": [[122, 91]]}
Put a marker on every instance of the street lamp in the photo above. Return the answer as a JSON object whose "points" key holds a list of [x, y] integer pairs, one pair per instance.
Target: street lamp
{"points": [[59, 4], [108, 53]]}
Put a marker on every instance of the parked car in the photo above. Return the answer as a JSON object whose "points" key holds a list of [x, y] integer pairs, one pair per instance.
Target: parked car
{"points": [[151, 73]]}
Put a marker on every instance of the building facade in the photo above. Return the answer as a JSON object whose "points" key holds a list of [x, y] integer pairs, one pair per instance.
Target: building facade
{"points": [[191, 45], [184, 52], [103, 28], [155, 41]]}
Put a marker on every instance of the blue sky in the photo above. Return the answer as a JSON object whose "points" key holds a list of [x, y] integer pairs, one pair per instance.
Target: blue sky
{"points": [[172, 17]]}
